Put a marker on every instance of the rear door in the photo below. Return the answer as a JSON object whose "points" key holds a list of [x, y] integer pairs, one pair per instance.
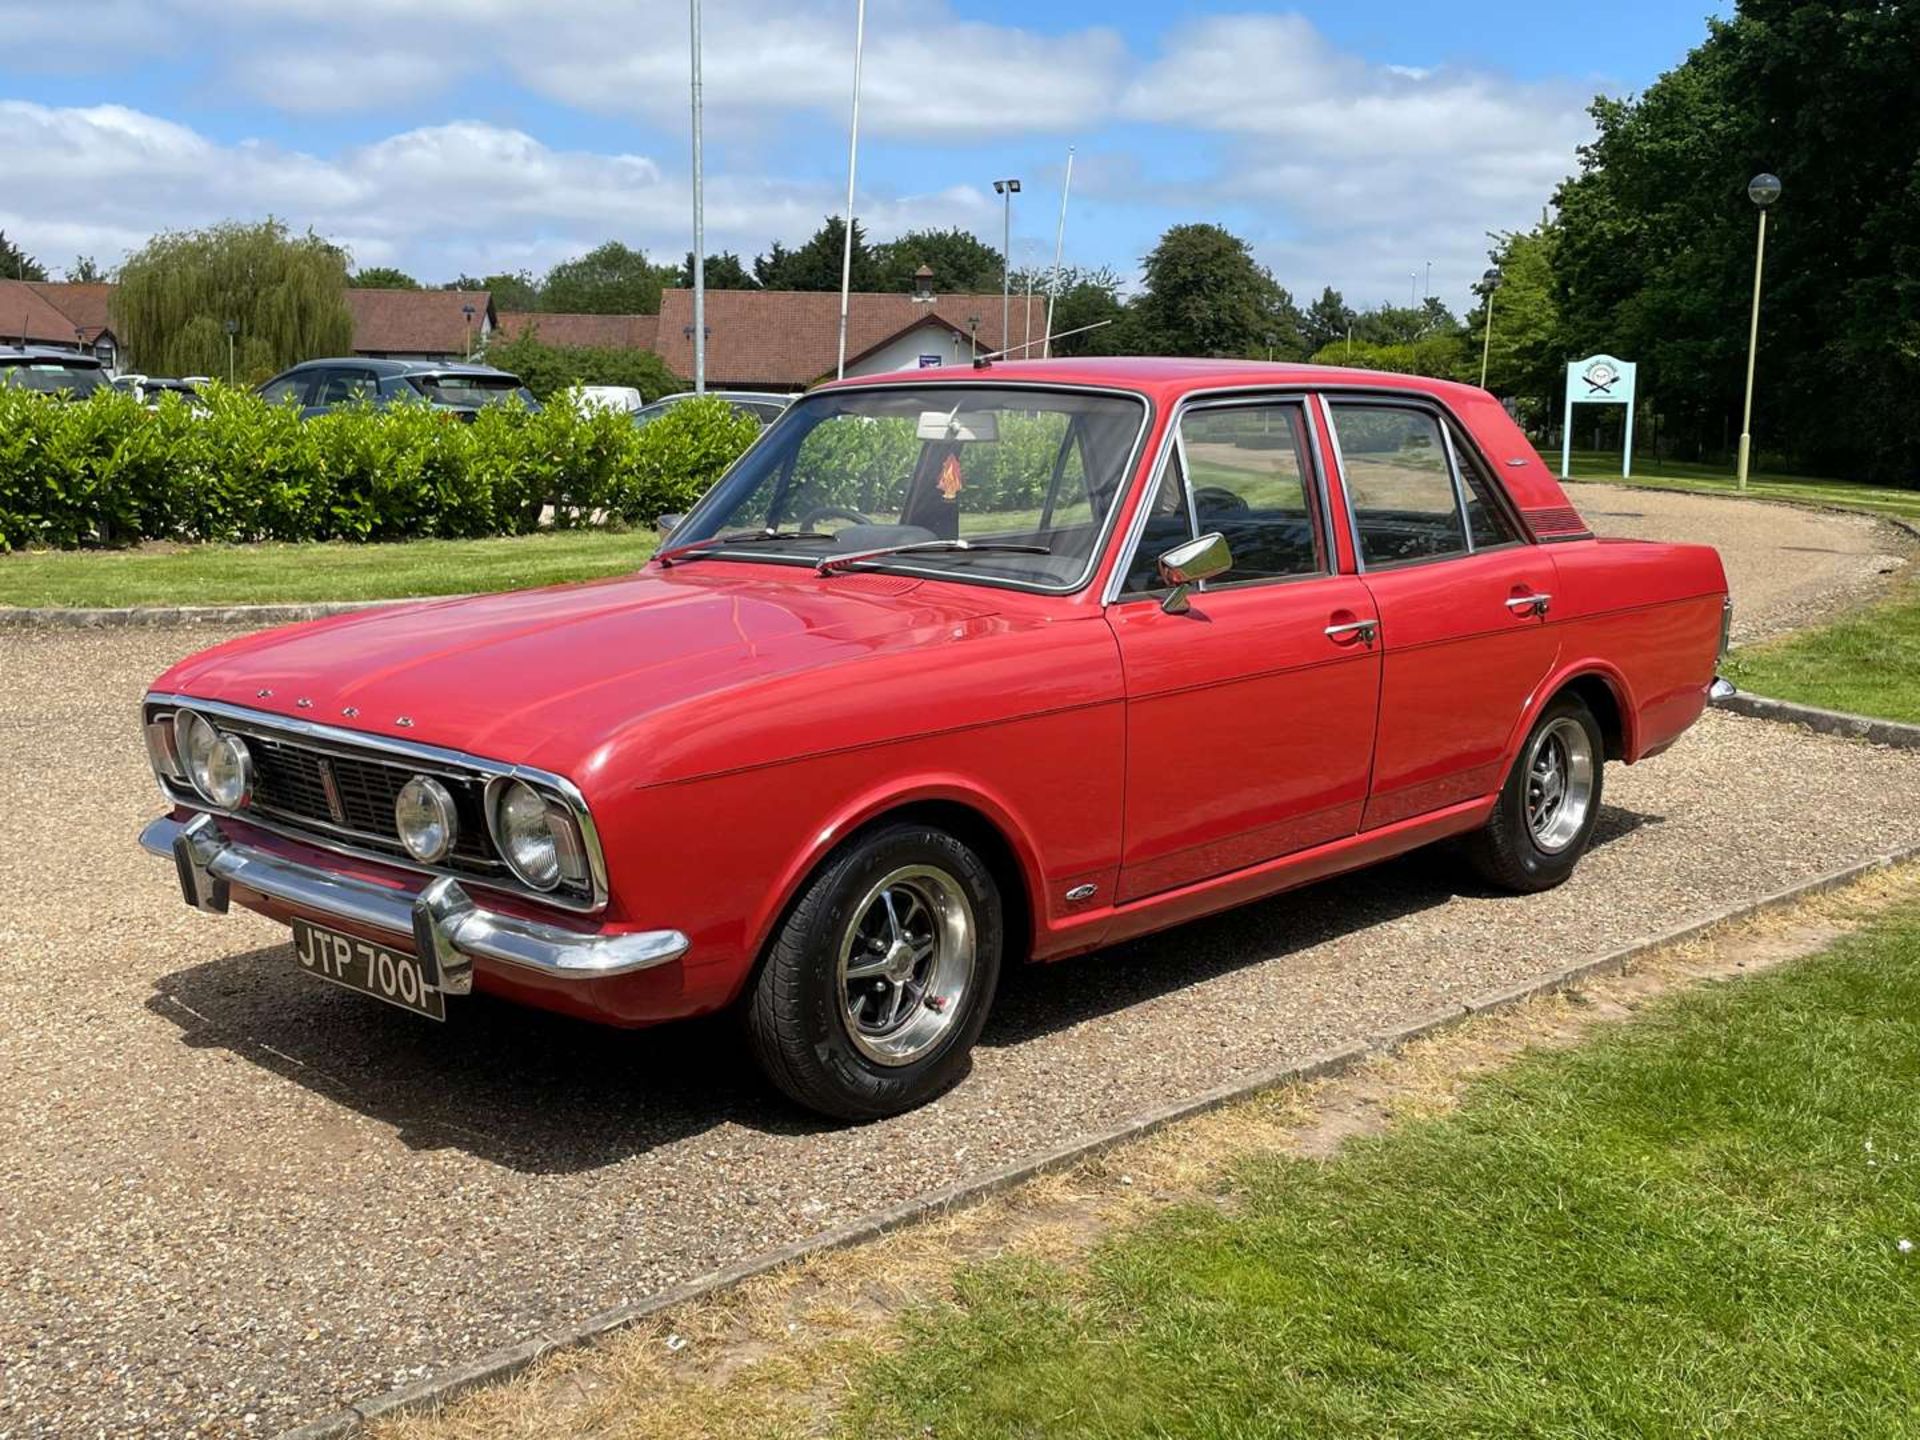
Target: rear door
{"points": [[1250, 716], [1462, 601]]}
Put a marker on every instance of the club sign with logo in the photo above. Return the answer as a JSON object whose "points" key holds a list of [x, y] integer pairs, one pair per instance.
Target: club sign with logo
{"points": [[1598, 380]]}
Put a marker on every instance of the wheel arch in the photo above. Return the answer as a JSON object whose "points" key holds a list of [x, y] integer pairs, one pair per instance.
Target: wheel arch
{"points": [[971, 815], [1605, 692]]}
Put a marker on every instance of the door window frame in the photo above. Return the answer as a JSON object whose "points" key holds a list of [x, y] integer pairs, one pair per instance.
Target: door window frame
{"points": [[1443, 420], [1318, 493]]}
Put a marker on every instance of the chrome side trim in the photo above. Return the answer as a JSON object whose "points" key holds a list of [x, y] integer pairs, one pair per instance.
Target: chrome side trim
{"points": [[446, 928], [418, 754]]}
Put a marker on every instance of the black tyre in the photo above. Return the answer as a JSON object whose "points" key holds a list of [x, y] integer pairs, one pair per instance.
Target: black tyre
{"points": [[879, 980], [1545, 815]]}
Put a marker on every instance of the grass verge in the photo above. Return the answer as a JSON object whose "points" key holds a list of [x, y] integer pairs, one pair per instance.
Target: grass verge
{"points": [[265, 574], [1719, 480], [1540, 1222], [1867, 663]]}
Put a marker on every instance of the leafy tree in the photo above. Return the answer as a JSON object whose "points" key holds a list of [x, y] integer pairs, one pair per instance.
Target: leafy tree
{"points": [[85, 271], [1205, 294], [610, 279], [961, 262], [1524, 357], [1445, 355], [549, 369], [286, 293], [1328, 319], [513, 290], [1655, 258], [816, 264], [16, 264], [382, 277], [723, 272]]}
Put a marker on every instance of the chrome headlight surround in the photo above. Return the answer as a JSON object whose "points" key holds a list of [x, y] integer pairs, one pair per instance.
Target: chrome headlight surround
{"points": [[218, 766], [537, 835], [426, 819]]}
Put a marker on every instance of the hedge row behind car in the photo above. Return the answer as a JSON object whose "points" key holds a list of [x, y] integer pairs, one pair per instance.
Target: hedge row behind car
{"points": [[108, 470]]}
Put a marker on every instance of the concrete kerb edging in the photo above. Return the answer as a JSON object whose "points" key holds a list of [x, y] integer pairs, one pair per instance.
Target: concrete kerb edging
{"points": [[1827, 722], [120, 617], [504, 1364]]}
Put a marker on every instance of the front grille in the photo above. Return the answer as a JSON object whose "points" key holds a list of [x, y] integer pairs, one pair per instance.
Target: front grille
{"points": [[290, 780], [338, 789]]}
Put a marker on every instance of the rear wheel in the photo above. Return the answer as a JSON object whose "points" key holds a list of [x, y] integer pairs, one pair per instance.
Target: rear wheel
{"points": [[879, 980], [1545, 815]]}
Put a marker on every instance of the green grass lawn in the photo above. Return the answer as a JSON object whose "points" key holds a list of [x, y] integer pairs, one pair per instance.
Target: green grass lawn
{"points": [[1688, 1226], [1719, 480], [254, 574], [1867, 663]]}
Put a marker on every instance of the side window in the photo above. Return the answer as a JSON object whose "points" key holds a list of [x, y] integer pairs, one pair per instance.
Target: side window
{"points": [[1168, 523], [294, 385], [1398, 483], [1250, 474], [1486, 521], [342, 387]]}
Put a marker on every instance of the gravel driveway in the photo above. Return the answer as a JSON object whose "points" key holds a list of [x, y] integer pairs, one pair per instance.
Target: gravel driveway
{"points": [[235, 1197]]}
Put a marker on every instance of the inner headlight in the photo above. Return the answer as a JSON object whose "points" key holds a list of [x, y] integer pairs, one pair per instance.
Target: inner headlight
{"points": [[219, 766], [424, 815], [537, 836]]}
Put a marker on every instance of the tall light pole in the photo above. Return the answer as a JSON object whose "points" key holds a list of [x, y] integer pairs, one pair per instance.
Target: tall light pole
{"points": [[1492, 281], [1009, 189], [853, 160], [1059, 244], [1763, 190], [232, 328], [699, 217], [1426, 291], [469, 312]]}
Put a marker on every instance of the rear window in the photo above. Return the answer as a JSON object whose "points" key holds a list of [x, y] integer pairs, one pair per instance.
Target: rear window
{"points": [[54, 379], [471, 389]]}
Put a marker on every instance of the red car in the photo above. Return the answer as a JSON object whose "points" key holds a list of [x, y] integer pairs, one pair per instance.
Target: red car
{"points": [[945, 673]]}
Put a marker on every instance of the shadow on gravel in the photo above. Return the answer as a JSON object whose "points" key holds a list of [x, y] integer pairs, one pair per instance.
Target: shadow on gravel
{"points": [[543, 1094]]}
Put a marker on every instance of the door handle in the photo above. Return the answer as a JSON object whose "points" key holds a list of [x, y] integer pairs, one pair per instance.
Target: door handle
{"points": [[1530, 604], [1365, 630]]}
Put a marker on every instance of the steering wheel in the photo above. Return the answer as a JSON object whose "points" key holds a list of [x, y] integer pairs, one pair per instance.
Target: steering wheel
{"points": [[813, 517], [1218, 500]]}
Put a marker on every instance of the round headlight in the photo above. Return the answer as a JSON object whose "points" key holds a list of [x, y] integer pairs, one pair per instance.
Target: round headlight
{"points": [[526, 835], [218, 765], [424, 815]]}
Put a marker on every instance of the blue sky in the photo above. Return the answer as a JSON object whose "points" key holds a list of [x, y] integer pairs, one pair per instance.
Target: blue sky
{"points": [[1350, 144]]}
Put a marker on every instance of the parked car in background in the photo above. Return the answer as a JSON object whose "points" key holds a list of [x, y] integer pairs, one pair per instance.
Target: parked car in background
{"points": [[945, 673], [626, 399], [763, 406], [71, 374], [318, 386], [152, 388]]}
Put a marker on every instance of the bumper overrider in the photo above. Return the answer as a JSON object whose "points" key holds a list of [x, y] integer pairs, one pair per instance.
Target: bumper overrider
{"points": [[438, 921]]}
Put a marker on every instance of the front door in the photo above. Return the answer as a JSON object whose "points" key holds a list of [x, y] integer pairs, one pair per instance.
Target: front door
{"points": [[1462, 603], [1250, 716]]}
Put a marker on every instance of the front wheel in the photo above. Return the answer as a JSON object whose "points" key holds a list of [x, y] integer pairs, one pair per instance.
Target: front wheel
{"points": [[1545, 815], [879, 980]]}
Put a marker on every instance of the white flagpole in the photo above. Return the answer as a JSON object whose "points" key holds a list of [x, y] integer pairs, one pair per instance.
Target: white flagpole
{"points": [[1059, 240], [699, 223], [853, 159]]}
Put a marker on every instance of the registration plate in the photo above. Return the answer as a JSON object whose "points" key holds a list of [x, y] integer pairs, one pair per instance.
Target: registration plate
{"points": [[388, 975]]}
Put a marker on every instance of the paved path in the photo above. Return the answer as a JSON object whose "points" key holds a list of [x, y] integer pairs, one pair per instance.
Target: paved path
{"points": [[237, 1197]]}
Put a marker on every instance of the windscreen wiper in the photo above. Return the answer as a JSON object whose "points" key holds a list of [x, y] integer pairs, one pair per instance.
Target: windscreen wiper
{"points": [[694, 549], [830, 563]]}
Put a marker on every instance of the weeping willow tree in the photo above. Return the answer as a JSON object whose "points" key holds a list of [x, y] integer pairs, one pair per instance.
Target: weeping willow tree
{"points": [[284, 293]]}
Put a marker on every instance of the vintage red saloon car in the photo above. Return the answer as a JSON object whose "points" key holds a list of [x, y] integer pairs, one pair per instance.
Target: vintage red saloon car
{"points": [[945, 673]]}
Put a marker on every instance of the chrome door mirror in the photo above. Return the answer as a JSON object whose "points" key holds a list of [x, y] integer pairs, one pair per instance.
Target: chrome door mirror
{"points": [[665, 525], [1186, 565]]}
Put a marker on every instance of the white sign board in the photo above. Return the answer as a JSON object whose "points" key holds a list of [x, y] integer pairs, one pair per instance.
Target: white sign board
{"points": [[1598, 380]]}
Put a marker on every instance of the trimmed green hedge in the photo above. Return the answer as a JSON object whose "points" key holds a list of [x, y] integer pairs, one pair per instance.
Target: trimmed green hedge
{"points": [[107, 470]]}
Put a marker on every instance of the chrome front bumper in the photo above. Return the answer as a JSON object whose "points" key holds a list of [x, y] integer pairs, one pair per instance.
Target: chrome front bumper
{"points": [[447, 931], [1721, 689]]}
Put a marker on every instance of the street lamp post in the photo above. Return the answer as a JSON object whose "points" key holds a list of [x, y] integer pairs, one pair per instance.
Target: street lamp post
{"points": [[1492, 281], [853, 161], [232, 328], [468, 311], [1009, 189], [699, 276], [1763, 190]]}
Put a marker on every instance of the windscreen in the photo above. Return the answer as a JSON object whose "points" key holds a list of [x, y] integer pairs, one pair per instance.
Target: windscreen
{"points": [[77, 381], [1028, 478]]}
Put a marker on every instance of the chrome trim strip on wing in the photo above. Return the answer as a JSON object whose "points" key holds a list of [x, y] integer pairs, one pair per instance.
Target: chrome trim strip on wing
{"points": [[447, 930], [356, 744]]}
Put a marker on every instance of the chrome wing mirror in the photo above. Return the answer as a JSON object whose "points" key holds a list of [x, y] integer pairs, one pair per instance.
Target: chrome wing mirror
{"points": [[1186, 565]]}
